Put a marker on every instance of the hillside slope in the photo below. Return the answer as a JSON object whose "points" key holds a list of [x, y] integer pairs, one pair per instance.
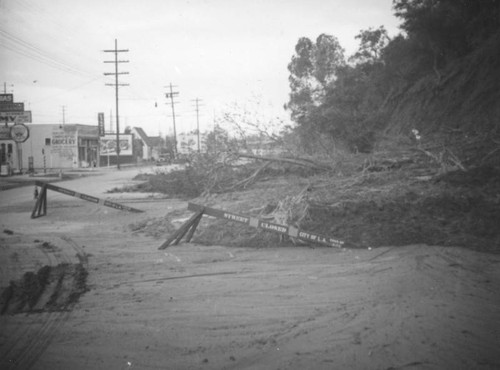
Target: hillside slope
{"points": [[460, 106]]}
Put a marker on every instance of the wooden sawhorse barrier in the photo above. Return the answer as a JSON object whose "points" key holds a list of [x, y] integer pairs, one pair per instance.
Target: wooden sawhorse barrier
{"points": [[189, 227], [40, 208]]}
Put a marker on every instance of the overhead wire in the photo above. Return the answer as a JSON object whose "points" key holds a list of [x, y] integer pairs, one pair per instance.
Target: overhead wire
{"points": [[24, 48], [65, 91], [27, 10]]}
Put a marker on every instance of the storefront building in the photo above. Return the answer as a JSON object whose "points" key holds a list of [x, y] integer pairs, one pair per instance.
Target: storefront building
{"points": [[54, 146]]}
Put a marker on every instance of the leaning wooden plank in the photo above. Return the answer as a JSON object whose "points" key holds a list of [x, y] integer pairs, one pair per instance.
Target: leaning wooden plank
{"points": [[191, 231], [44, 200], [182, 230], [36, 209], [269, 226], [88, 198], [189, 227]]}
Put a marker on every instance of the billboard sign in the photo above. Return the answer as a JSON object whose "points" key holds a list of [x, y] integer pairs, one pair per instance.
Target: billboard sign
{"points": [[108, 144]]}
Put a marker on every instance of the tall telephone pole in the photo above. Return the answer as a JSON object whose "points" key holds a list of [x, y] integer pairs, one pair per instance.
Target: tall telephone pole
{"points": [[63, 114], [5, 87], [197, 107], [116, 85], [171, 95]]}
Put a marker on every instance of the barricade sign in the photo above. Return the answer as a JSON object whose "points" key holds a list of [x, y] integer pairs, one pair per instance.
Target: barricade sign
{"points": [[190, 226], [40, 208]]}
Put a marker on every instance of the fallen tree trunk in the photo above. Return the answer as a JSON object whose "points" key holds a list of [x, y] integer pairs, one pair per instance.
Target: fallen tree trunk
{"points": [[297, 161]]}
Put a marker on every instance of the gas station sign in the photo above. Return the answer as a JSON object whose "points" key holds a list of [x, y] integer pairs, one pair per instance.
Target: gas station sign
{"points": [[15, 117]]}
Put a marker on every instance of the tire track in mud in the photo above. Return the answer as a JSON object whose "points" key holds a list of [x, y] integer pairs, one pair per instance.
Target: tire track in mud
{"points": [[4, 269], [28, 345], [8, 356], [9, 257]]}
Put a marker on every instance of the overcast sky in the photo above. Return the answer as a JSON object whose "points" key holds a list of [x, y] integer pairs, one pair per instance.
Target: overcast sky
{"points": [[220, 51]]}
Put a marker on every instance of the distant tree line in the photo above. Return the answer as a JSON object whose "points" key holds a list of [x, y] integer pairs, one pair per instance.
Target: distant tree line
{"points": [[346, 99]]}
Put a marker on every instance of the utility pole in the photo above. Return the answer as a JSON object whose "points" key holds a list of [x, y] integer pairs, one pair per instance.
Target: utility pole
{"points": [[170, 95], [63, 114], [116, 85], [5, 87], [215, 134], [197, 101]]}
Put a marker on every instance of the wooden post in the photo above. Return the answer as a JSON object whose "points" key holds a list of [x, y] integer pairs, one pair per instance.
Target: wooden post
{"points": [[40, 208], [177, 236], [41, 203], [37, 204], [193, 228], [44, 201]]}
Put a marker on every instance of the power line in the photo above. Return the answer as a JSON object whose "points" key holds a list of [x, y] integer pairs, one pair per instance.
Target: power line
{"points": [[66, 90], [116, 85], [32, 13], [24, 48]]}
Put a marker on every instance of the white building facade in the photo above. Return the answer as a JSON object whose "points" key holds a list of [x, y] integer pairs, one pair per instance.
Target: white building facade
{"points": [[53, 146]]}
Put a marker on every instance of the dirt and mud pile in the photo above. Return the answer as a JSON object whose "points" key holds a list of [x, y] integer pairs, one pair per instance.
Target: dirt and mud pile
{"points": [[456, 209], [381, 206]]}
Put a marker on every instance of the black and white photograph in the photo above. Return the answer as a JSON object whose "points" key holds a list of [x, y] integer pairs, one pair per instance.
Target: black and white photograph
{"points": [[234, 184]]}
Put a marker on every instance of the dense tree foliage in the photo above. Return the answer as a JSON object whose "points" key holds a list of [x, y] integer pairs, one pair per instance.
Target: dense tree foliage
{"points": [[313, 68], [449, 28], [348, 100]]}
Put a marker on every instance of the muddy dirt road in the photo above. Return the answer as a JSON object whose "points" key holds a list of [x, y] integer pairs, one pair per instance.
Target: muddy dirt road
{"points": [[214, 307]]}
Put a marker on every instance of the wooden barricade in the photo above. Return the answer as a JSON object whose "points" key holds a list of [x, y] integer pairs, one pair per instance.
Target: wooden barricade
{"points": [[189, 227], [40, 208]]}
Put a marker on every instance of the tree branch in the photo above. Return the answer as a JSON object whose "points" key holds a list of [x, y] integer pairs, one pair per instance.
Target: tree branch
{"points": [[297, 161]]}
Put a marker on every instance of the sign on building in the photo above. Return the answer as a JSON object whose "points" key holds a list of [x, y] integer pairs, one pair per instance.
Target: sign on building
{"points": [[63, 142], [100, 120]]}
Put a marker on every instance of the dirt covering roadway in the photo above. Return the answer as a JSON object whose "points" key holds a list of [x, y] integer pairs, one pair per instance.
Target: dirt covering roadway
{"points": [[214, 307]]}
